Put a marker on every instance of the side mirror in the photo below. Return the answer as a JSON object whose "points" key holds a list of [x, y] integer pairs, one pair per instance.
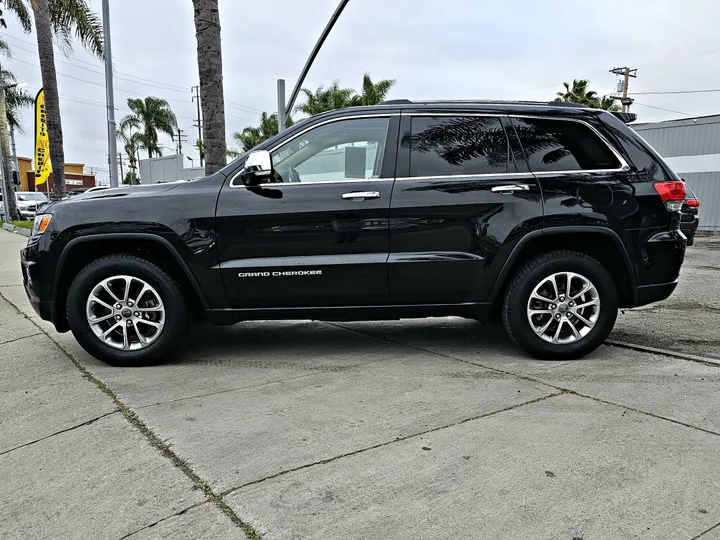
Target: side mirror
{"points": [[258, 166]]}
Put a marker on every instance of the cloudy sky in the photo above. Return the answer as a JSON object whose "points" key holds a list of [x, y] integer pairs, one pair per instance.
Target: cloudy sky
{"points": [[517, 49]]}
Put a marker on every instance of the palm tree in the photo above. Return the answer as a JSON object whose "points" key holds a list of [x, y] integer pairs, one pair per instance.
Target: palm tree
{"points": [[250, 137], [578, 93], [15, 99], [209, 55], [323, 100], [11, 100], [63, 20], [149, 116], [608, 103], [131, 142], [373, 93]]}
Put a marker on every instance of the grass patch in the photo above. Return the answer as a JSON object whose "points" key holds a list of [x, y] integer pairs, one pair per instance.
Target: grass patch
{"points": [[22, 224]]}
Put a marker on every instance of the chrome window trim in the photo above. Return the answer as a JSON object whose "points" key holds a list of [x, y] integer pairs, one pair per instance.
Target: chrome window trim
{"points": [[623, 164], [469, 176], [309, 128]]}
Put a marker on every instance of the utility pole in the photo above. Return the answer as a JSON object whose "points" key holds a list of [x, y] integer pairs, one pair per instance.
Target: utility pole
{"points": [[198, 121], [14, 152], [282, 116], [626, 72], [122, 173], [110, 94], [181, 137]]}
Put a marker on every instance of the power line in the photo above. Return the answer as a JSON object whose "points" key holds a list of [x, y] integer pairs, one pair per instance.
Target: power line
{"points": [[645, 68], [662, 109], [146, 82], [129, 92], [676, 92]]}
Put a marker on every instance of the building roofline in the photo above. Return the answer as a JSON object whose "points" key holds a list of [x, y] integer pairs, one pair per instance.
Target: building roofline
{"points": [[693, 120]]}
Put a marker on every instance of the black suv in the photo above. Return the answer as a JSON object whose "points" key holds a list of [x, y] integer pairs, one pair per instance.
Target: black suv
{"points": [[546, 216]]}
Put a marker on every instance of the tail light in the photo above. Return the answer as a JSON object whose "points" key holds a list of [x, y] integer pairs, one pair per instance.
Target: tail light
{"points": [[693, 203], [672, 193]]}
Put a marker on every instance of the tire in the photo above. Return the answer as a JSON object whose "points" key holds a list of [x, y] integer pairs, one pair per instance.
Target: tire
{"points": [[159, 325], [568, 344]]}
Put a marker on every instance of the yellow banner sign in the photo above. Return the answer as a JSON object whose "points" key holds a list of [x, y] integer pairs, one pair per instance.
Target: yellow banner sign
{"points": [[43, 167]]}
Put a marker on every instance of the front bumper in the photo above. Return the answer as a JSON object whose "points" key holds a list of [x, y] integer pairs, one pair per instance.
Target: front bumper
{"points": [[45, 309]]}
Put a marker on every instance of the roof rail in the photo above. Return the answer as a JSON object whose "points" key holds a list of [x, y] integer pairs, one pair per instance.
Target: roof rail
{"points": [[484, 101]]}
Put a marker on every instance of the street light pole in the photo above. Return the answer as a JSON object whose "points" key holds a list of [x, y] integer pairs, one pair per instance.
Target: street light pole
{"points": [[110, 95], [313, 54]]}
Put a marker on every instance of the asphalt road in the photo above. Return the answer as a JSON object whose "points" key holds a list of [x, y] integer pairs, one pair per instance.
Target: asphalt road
{"points": [[436, 428]]}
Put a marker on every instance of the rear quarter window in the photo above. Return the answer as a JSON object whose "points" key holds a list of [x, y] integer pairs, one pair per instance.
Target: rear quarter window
{"points": [[563, 145]]}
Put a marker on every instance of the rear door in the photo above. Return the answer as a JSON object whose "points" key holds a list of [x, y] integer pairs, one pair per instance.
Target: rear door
{"points": [[584, 181], [316, 234], [458, 201]]}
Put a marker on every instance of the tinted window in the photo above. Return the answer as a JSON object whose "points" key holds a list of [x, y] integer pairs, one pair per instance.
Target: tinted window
{"points": [[347, 149], [562, 145], [449, 146]]}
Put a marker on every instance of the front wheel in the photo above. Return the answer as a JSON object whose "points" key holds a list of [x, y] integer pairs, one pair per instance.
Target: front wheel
{"points": [[125, 311], [561, 305]]}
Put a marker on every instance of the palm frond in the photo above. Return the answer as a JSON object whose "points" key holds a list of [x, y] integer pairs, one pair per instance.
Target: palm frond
{"points": [[5, 49], [20, 9], [75, 17]]}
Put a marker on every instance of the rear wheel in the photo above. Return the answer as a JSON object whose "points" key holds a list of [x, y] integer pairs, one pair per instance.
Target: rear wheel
{"points": [[125, 310], [561, 305]]}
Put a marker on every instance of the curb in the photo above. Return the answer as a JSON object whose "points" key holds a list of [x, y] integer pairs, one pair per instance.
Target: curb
{"points": [[17, 230]]}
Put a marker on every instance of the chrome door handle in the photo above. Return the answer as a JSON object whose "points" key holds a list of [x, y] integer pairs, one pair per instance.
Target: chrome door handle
{"points": [[511, 188], [361, 195]]}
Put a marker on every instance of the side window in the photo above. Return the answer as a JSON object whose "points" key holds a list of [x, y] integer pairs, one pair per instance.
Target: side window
{"points": [[343, 150], [562, 145], [457, 146]]}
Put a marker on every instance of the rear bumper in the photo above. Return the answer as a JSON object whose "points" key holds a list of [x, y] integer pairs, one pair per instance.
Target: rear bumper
{"points": [[647, 294]]}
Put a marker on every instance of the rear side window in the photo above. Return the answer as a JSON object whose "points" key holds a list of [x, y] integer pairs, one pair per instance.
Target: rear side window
{"points": [[457, 146], [562, 145]]}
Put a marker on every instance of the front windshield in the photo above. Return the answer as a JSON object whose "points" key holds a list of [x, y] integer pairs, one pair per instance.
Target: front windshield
{"points": [[37, 197]]}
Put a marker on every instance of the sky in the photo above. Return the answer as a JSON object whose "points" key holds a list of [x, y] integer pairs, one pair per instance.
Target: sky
{"points": [[450, 49]]}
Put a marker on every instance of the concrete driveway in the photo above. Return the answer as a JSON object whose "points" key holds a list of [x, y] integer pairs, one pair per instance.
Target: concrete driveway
{"points": [[437, 428]]}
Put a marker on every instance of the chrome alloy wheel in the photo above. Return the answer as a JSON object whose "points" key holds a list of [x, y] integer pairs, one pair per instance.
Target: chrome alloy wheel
{"points": [[563, 308], [125, 313]]}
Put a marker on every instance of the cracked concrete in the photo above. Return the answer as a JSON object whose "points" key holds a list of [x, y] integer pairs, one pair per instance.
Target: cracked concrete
{"points": [[407, 429]]}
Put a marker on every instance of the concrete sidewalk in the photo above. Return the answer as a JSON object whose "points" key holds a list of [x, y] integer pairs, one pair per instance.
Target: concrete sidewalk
{"points": [[436, 428]]}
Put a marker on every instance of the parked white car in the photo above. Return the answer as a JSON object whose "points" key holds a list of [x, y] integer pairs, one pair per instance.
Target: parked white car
{"points": [[28, 203]]}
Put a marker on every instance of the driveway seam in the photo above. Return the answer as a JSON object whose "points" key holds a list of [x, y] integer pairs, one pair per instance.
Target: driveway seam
{"points": [[706, 531], [535, 380], [268, 383], [58, 432], [176, 514], [20, 338], [155, 441], [387, 443]]}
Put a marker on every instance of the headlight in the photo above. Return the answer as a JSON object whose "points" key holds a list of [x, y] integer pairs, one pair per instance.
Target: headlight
{"points": [[41, 223]]}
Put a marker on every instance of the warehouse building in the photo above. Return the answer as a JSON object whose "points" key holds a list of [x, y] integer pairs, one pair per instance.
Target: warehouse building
{"points": [[691, 147]]}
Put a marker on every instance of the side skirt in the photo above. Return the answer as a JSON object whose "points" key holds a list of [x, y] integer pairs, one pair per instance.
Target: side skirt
{"points": [[471, 310]]}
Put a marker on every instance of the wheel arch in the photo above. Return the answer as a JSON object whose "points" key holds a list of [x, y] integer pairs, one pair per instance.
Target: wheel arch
{"points": [[607, 247], [154, 247]]}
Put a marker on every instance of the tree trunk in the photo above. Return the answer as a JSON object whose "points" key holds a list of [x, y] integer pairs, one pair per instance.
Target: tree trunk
{"points": [[43, 28], [212, 99], [8, 187]]}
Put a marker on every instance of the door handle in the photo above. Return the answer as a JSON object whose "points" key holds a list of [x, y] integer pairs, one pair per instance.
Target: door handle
{"points": [[361, 195], [511, 188]]}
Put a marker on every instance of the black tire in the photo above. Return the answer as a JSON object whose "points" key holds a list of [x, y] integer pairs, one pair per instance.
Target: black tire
{"points": [[515, 314], [177, 316]]}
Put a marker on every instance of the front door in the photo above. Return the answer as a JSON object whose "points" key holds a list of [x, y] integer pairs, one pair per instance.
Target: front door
{"points": [[459, 200], [316, 234]]}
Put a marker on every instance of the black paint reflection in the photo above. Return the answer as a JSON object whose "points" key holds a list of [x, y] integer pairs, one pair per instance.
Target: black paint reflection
{"points": [[457, 145]]}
